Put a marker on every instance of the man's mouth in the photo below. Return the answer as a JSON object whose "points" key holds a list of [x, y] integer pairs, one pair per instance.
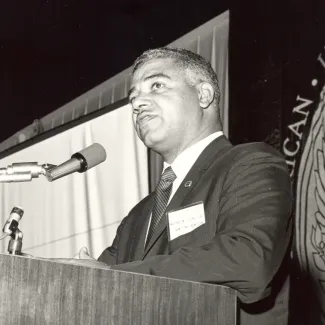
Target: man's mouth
{"points": [[144, 119]]}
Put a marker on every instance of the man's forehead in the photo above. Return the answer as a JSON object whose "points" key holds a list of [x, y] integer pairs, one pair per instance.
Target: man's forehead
{"points": [[154, 66]]}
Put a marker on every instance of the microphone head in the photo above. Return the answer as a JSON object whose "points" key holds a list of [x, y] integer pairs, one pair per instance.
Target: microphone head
{"points": [[93, 155]]}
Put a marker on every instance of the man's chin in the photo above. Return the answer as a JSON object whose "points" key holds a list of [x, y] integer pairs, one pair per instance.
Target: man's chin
{"points": [[151, 141], [148, 142]]}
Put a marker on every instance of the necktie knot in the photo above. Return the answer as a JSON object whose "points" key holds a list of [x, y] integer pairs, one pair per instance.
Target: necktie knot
{"points": [[167, 177]]}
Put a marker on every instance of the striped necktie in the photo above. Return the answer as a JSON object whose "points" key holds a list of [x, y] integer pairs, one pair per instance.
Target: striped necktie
{"points": [[162, 194]]}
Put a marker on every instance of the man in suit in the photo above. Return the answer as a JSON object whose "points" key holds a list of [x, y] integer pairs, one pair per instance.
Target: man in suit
{"points": [[234, 202]]}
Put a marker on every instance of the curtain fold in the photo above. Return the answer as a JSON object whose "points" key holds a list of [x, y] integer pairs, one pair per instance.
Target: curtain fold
{"points": [[79, 209]]}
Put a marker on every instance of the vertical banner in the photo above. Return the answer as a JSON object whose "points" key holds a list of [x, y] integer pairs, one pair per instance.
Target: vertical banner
{"points": [[304, 149]]}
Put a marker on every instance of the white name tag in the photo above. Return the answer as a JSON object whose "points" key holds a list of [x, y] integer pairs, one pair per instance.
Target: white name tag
{"points": [[185, 220]]}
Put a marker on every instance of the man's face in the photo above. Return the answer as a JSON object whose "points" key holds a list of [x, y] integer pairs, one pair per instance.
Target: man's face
{"points": [[166, 110]]}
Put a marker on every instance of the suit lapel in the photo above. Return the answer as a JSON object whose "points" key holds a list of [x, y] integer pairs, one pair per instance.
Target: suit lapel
{"points": [[140, 228], [209, 154]]}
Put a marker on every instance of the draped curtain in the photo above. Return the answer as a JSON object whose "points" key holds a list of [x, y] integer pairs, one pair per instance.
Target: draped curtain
{"points": [[79, 209]]}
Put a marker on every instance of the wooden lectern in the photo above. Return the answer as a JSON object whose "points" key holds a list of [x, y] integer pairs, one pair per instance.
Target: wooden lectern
{"points": [[35, 291]]}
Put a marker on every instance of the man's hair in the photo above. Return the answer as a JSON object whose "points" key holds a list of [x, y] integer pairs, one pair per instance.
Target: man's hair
{"points": [[196, 67]]}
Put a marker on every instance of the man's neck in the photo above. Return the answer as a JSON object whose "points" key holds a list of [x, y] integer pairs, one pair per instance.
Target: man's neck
{"points": [[170, 156]]}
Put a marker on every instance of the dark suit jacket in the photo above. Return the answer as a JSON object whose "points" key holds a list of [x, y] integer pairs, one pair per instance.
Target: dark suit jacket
{"points": [[247, 198]]}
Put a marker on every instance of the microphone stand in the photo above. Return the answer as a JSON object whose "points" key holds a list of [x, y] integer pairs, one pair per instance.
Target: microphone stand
{"points": [[21, 172], [16, 242]]}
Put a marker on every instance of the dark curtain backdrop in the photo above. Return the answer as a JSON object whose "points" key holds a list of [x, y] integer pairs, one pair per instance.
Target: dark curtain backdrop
{"points": [[277, 77]]}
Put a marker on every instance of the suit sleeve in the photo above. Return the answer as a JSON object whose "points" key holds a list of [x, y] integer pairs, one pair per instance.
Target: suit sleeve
{"points": [[109, 255], [253, 233]]}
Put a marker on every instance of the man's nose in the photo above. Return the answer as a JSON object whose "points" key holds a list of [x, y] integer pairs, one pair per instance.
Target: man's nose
{"points": [[140, 103]]}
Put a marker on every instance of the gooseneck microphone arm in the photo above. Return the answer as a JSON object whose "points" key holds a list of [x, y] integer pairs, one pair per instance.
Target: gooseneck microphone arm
{"points": [[23, 172], [79, 162]]}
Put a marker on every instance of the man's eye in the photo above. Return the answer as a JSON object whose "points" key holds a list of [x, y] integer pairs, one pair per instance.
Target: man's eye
{"points": [[131, 99], [157, 85]]}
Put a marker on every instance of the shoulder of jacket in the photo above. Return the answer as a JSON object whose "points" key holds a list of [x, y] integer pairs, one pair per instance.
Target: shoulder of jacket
{"points": [[255, 149]]}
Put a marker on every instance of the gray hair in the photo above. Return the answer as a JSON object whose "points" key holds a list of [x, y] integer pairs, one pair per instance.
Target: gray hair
{"points": [[196, 67]]}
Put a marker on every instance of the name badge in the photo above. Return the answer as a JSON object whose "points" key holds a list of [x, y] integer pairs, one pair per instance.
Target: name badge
{"points": [[185, 220]]}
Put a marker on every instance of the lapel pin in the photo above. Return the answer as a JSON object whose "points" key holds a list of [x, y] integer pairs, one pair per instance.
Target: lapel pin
{"points": [[188, 184]]}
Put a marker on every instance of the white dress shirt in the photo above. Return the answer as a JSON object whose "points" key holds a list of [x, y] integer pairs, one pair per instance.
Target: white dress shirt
{"points": [[184, 162]]}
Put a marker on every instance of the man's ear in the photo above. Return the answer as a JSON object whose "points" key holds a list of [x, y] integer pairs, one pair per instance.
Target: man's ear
{"points": [[205, 94]]}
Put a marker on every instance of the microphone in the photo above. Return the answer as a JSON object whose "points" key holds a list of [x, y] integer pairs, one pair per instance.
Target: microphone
{"points": [[12, 223], [79, 162]]}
